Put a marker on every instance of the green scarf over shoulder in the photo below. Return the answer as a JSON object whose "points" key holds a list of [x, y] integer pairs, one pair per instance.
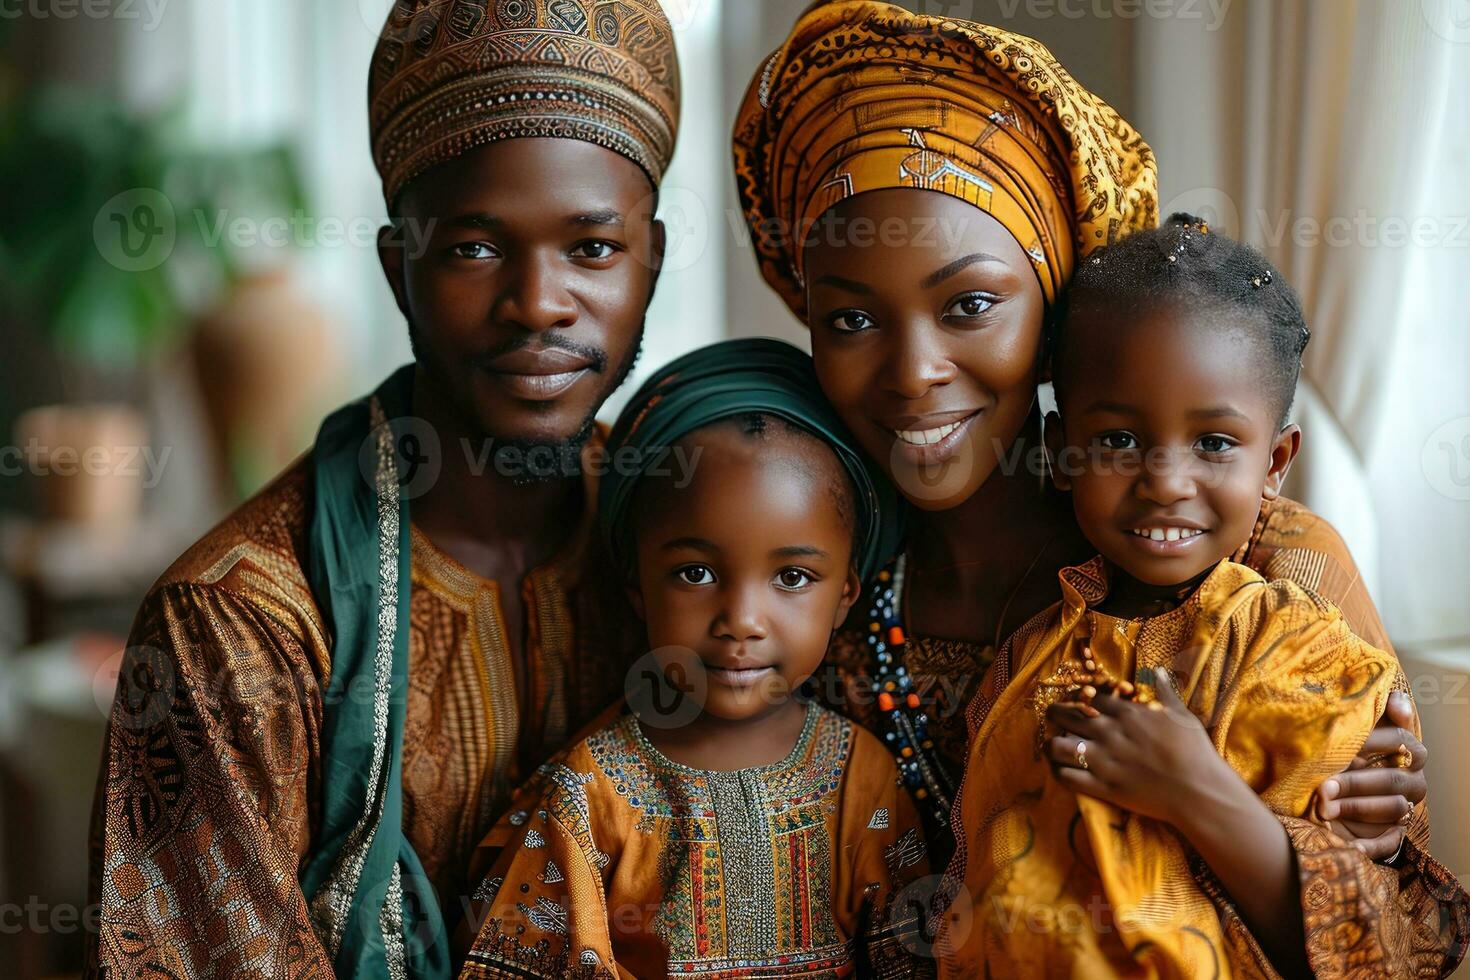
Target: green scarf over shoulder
{"points": [[370, 902]]}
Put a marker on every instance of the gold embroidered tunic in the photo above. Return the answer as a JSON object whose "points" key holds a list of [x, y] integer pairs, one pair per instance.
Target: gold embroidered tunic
{"points": [[619, 861], [1287, 694], [1290, 542], [211, 772]]}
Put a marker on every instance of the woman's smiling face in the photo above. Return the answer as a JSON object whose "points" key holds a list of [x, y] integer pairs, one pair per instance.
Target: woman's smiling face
{"points": [[926, 320]]}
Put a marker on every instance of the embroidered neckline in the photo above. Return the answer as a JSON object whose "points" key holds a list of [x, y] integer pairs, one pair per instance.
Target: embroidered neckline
{"points": [[661, 761]]}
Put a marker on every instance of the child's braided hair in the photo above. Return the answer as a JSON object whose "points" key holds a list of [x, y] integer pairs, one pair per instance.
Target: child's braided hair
{"points": [[1184, 264]]}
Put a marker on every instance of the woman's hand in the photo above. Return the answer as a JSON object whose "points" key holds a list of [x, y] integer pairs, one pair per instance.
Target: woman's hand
{"points": [[1370, 807], [1151, 759]]}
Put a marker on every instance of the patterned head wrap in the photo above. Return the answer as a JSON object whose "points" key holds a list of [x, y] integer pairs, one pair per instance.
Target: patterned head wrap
{"points": [[729, 379], [866, 96], [452, 75]]}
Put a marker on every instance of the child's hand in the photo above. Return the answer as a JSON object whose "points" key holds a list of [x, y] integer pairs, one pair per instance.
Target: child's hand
{"points": [[1150, 759]]}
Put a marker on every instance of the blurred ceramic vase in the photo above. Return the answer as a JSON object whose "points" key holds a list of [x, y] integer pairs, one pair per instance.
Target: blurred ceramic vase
{"points": [[87, 461], [267, 369]]}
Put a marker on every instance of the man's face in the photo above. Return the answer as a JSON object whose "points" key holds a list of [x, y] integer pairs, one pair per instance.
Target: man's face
{"points": [[525, 269]]}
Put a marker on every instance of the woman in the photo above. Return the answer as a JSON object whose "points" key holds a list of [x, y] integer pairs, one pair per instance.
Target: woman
{"points": [[919, 191]]}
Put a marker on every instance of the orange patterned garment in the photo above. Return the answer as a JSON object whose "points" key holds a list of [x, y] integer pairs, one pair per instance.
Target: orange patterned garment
{"points": [[618, 861], [1360, 917], [211, 772], [1062, 885], [1290, 542], [865, 96]]}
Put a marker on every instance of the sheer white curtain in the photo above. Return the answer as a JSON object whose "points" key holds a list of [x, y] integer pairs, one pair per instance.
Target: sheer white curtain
{"points": [[1332, 134], [1335, 136]]}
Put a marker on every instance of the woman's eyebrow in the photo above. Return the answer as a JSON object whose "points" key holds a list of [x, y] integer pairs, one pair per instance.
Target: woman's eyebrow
{"points": [[958, 266], [849, 285]]}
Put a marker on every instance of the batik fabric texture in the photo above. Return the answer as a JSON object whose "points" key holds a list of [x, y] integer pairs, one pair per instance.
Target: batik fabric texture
{"points": [[211, 776], [1287, 694], [867, 96], [452, 75], [621, 862]]}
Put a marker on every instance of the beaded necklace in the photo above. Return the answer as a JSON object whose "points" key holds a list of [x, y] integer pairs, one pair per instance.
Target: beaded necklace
{"points": [[905, 723]]}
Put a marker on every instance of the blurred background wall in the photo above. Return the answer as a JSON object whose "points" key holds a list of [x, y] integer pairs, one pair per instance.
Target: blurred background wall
{"points": [[188, 281]]}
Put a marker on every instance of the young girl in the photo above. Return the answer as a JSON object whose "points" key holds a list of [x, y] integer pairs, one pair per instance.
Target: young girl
{"points": [[719, 825], [1080, 852]]}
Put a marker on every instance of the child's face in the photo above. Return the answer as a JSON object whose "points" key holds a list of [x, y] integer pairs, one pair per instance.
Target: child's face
{"points": [[744, 573], [1169, 439]]}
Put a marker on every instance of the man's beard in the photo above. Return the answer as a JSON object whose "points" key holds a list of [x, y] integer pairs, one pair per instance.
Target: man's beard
{"points": [[527, 462]]}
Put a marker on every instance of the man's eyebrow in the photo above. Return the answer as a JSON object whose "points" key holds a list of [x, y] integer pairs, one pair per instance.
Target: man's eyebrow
{"points": [[601, 217], [958, 266], [605, 217], [800, 551], [698, 544], [478, 219], [847, 285]]}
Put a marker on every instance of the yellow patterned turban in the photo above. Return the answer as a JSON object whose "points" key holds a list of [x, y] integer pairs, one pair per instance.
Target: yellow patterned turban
{"points": [[452, 75], [866, 96]]}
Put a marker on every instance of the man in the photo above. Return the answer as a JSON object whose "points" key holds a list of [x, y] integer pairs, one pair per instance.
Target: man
{"points": [[326, 702]]}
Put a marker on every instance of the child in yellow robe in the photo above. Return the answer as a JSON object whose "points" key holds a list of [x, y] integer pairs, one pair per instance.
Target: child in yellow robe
{"points": [[718, 825], [1081, 850]]}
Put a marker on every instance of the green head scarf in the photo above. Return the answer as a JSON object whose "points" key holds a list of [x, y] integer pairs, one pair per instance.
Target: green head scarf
{"points": [[733, 378]]}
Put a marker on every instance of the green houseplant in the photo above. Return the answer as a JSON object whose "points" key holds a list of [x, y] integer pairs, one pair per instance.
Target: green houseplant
{"points": [[111, 251], [95, 193]]}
